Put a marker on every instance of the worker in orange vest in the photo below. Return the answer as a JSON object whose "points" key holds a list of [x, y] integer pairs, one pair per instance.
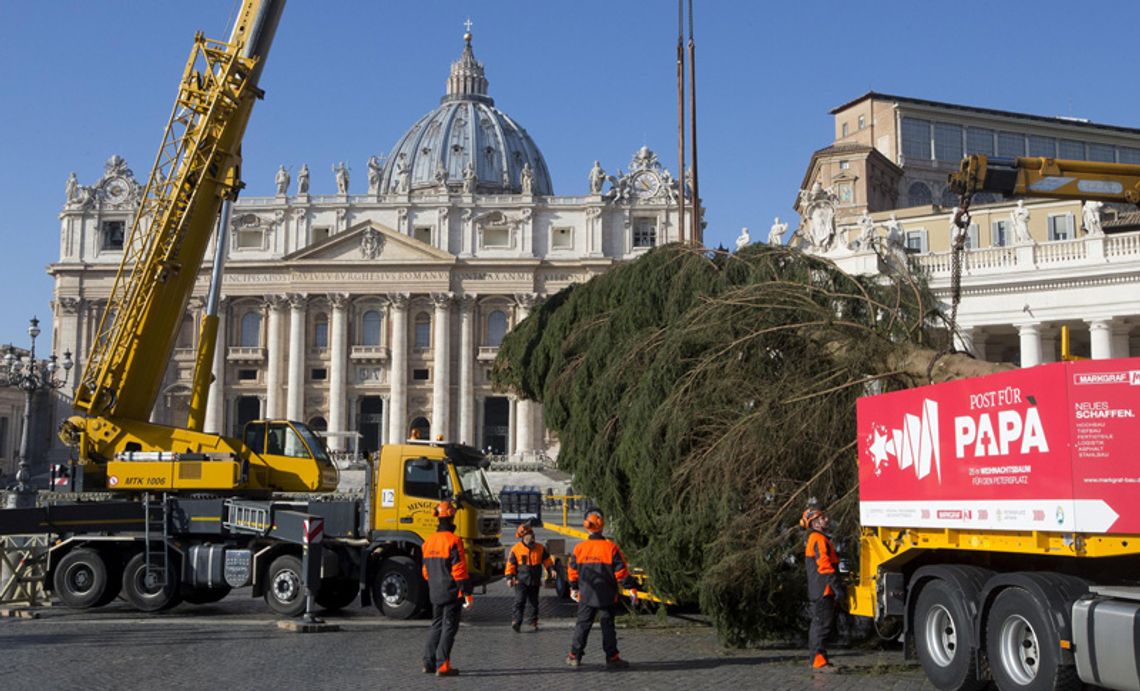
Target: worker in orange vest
{"points": [[524, 574], [824, 588], [445, 570], [597, 570]]}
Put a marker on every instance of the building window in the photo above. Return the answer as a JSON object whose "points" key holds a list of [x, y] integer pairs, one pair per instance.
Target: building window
{"points": [[497, 237], [423, 331], [644, 232], [916, 138], [844, 165], [1010, 144], [844, 130], [1071, 149], [496, 328], [318, 374], [420, 374], [916, 241], [846, 193], [370, 328], [321, 331], [321, 234], [949, 199], [562, 238], [1061, 227], [947, 142], [247, 375], [999, 233], [918, 194], [113, 232], [862, 122], [186, 332], [1103, 153], [423, 234], [1042, 146], [249, 238], [973, 237], [250, 336], [3, 437], [979, 140], [1129, 155]]}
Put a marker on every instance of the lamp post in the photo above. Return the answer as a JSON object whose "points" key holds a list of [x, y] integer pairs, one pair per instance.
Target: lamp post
{"points": [[30, 376]]}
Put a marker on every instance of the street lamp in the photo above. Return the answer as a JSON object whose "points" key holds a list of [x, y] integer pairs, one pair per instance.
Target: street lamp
{"points": [[30, 376]]}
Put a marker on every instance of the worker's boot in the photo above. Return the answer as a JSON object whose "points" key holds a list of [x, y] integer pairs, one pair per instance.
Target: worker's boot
{"points": [[573, 660], [516, 626], [534, 625], [428, 668], [446, 670], [616, 662]]}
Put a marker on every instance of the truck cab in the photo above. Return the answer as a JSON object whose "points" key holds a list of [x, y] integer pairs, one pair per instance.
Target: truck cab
{"points": [[410, 479]]}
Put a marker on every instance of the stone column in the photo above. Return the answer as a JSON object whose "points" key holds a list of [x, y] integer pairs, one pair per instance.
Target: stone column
{"points": [[338, 366], [441, 358], [1030, 335], [466, 432], [1100, 338], [1121, 346], [1049, 347], [274, 304], [398, 376], [215, 421], [295, 404], [386, 425], [512, 422], [524, 414]]}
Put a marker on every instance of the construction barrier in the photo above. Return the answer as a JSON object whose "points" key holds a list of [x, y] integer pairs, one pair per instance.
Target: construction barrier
{"points": [[521, 504], [23, 560]]}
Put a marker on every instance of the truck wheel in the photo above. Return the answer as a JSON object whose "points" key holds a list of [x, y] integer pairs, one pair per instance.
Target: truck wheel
{"points": [[398, 589], [150, 590], [337, 593], [204, 596], [82, 580], [1023, 647], [284, 587], [944, 638]]}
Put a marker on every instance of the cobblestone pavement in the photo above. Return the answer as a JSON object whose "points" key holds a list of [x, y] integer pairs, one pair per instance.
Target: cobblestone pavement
{"points": [[236, 643]]}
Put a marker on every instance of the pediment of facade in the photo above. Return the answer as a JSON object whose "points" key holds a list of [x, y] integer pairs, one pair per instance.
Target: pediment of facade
{"points": [[371, 242]]}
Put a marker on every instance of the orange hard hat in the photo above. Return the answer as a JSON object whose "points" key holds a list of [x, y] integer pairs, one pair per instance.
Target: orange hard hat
{"points": [[523, 529], [810, 515], [445, 509], [594, 521]]}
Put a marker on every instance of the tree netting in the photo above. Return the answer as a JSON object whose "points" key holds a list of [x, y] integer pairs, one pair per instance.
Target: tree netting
{"points": [[701, 397]]}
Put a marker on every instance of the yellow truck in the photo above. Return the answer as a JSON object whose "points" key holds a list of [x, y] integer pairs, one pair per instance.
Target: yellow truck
{"points": [[163, 550]]}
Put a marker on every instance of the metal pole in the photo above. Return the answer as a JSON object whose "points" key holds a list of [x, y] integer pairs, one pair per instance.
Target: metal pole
{"points": [[695, 204], [681, 117]]}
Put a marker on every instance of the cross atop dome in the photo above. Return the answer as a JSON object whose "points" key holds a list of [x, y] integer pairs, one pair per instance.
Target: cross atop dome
{"points": [[467, 81]]}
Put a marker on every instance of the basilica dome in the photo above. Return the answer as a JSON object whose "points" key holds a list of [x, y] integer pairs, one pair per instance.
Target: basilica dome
{"points": [[466, 144]]}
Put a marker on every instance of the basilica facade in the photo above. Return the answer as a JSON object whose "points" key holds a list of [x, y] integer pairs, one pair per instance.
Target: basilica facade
{"points": [[372, 314]]}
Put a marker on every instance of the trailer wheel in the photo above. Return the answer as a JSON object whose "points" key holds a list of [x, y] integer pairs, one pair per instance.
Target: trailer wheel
{"points": [[285, 587], [944, 638], [204, 596], [398, 589], [1023, 648], [82, 580], [337, 593], [150, 590]]}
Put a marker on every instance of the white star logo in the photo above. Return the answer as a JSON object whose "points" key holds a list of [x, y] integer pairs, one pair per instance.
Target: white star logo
{"points": [[878, 449]]}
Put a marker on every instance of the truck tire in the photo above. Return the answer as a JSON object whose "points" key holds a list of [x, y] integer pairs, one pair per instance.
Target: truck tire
{"points": [[285, 586], [398, 589], [82, 579], [203, 595], [944, 638], [1022, 646], [144, 590], [337, 593]]}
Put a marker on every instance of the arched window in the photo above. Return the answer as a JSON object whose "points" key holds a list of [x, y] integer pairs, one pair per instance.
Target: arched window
{"points": [[423, 330], [496, 328], [250, 330], [918, 194], [949, 199], [321, 331], [370, 328]]}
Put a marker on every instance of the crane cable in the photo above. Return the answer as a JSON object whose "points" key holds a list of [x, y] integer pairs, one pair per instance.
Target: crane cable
{"points": [[961, 222]]}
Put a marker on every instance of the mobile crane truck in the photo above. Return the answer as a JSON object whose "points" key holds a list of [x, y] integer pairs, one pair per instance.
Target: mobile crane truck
{"points": [[201, 513], [1000, 521]]}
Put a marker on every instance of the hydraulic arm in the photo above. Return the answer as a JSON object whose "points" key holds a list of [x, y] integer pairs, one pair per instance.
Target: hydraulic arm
{"points": [[1048, 177]]}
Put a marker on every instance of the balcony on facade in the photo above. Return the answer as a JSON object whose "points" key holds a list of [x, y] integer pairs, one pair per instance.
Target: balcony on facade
{"points": [[487, 353], [245, 354], [369, 353], [1097, 254]]}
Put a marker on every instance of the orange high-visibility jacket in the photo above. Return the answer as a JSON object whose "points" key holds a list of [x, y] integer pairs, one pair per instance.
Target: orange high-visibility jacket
{"points": [[527, 563], [597, 568], [445, 567], [822, 562]]}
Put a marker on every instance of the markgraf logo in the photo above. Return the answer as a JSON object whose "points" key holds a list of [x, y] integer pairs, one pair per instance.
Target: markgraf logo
{"points": [[1086, 378], [913, 445]]}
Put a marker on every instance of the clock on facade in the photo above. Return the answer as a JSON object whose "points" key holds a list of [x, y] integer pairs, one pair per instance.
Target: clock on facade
{"points": [[117, 190], [646, 183]]}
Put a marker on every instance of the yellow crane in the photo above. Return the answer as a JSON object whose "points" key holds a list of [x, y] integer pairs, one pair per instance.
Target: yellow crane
{"points": [[196, 175]]}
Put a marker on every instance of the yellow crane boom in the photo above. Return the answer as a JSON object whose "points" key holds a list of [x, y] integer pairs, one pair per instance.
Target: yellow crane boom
{"points": [[1054, 178]]}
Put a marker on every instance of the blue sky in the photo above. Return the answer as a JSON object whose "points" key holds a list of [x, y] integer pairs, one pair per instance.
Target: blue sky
{"points": [[588, 79]]}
